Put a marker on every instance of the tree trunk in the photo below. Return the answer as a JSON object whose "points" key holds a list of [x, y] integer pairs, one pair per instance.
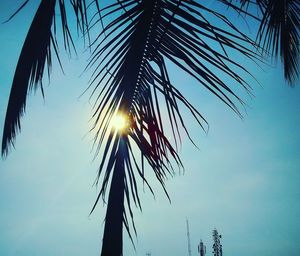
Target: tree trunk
{"points": [[113, 230]]}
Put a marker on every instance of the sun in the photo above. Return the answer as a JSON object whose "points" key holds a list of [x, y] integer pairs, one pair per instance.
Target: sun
{"points": [[120, 122]]}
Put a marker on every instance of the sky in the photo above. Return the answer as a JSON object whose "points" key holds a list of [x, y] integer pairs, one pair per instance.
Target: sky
{"points": [[243, 180]]}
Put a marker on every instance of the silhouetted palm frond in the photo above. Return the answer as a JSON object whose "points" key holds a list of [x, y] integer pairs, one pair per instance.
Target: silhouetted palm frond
{"points": [[279, 30], [279, 33], [132, 78], [29, 71], [35, 57]]}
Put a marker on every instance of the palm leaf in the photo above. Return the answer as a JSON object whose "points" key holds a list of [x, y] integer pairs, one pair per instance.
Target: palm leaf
{"points": [[279, 33], [279, 30], [131, 78], [17, 11], [29, 71], [36, 56]]}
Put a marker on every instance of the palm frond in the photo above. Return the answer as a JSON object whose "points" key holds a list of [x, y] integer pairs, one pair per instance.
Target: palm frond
{"points": [[279, 30], [29, 71], [17, 11], [279, 33], [36, 56], [131, 78], [246, 7]]}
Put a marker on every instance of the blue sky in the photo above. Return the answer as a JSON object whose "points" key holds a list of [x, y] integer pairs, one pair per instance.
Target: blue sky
{"points": [[244, 180]]}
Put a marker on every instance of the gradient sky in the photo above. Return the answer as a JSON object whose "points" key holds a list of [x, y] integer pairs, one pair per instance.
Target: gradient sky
{"points": [[244, 180]]}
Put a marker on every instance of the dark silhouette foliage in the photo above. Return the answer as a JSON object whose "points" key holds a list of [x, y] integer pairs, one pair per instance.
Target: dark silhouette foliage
{"points": [[136, 42], [131, 77], [29, 72], [279, 30], [35, 57]]}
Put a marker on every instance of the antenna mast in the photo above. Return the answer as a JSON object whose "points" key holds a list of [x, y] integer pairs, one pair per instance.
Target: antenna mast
{"points": [[188, 237], [217, 247], [201, 249]]}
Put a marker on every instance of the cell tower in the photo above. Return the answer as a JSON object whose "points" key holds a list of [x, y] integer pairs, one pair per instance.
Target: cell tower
{"points": [[188, 237], [217, 247], [201, 249]]}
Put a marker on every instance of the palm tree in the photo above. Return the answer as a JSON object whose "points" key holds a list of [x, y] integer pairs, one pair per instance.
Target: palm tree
{"points": [[131, 80]]}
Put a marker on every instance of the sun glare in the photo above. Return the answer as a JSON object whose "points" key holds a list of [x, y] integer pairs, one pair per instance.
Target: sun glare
{"points": [[120, 122]]}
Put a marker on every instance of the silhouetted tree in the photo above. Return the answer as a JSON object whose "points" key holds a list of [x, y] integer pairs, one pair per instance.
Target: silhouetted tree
{"points": [[131, 78]]}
